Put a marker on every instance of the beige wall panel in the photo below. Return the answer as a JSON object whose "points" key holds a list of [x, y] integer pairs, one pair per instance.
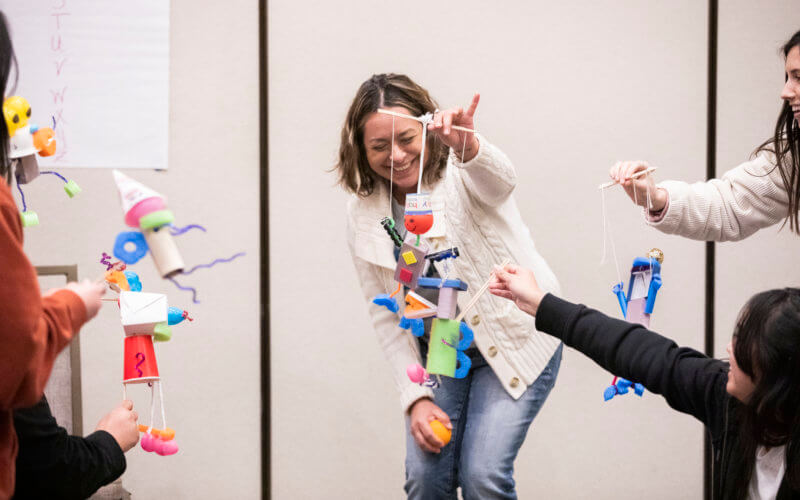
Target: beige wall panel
{"points": [[566, 91], [210, 368], [751, 75]]}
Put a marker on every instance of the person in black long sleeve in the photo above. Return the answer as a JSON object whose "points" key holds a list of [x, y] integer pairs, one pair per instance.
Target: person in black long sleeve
{"points": [[751, 406], [53, 464]]}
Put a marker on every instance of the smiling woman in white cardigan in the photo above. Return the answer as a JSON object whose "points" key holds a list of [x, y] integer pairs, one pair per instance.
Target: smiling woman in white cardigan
{"points": [[470, 182]]}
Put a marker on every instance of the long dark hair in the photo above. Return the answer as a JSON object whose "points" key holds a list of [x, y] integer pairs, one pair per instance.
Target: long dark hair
{"points": [[767, 348], [785, 146], [384, 90], [7, 61]]}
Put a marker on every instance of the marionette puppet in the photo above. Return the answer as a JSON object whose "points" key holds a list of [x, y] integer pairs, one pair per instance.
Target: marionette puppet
{"points": [[638, 304], [26, 141], [449, 336]]}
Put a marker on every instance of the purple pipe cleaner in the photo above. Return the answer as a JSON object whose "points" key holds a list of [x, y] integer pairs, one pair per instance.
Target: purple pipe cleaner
{"points": [[51, 172], [177, 231], [215, 262], [186, 288], [24, 205]]}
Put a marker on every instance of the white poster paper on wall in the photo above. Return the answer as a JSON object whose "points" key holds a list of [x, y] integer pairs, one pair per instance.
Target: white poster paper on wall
{"points": [[97, 72]]}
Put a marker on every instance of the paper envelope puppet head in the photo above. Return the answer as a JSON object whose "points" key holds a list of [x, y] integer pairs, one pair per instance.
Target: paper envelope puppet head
{"points": [[141, 312]]}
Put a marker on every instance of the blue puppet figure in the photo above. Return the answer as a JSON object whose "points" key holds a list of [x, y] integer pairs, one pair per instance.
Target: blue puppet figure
{"points": [[638, 306]]}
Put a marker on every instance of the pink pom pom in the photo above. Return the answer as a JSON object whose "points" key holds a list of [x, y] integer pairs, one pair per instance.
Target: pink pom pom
{"points": [[168, 448], [416, 373], [148, 442]]}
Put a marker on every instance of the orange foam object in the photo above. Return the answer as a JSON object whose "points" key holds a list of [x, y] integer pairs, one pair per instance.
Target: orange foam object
{"points": [[44, 140], [119, 279], [443, 433], [166, 435]]}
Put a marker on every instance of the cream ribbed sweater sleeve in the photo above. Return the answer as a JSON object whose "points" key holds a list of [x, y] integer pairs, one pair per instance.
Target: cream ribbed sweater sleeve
{"points": [[747, 198], [399, 347], [489, 176]]}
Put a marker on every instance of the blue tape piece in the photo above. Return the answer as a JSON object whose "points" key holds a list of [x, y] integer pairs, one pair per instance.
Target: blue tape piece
{"points": [[133, 281], [134, 256]]}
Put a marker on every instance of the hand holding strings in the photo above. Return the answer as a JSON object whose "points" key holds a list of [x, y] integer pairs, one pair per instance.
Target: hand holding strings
{"points": [[465, 144]]}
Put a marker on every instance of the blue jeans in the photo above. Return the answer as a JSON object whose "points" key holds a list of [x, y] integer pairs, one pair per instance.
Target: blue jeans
{"points": [[489, 427]]}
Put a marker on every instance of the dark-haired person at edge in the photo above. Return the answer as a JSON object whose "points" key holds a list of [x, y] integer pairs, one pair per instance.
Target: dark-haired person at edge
{"points": [[470, 182], [34, 328], [750, 406], [756, 194]]}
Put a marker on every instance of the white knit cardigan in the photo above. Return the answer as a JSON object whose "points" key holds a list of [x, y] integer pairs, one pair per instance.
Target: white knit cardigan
{"points": [[747, 198], [474, 211]]}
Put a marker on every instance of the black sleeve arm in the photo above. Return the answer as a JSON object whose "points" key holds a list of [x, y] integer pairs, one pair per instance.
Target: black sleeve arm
{"points": [[690, 381], [53, 464]]}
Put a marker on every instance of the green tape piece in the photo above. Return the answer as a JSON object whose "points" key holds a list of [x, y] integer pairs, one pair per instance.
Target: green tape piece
{"points": [[72, 188], [29, 219], [162, 332], [441, 356], [156, 219]]}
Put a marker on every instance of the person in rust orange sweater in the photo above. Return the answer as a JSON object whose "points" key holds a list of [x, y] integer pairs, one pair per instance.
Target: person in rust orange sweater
{"points": [[33, 329]]}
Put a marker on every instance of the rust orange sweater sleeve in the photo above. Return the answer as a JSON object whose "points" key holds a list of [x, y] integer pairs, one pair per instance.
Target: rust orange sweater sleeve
{"points": [[33, 330]]}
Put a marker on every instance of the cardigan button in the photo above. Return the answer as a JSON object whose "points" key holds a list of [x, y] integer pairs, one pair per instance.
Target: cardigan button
{"points": [[476, 320], [514, 383], [492, 351]]}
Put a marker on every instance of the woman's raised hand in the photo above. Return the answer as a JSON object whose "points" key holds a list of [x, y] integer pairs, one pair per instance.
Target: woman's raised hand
{"points": [[459, 140], [637, 188]]}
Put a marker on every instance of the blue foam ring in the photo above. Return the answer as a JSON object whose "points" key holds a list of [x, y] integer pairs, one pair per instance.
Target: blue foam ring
{"points": [[174, 315], [383, 299], [638, 389], [610, 392], [133, 281], [466, 337], [416, 325], [464, 364], [136, 255]]}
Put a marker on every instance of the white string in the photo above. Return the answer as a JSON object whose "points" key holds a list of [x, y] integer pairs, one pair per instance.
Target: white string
{"points": [[649, 198], [152, 408], [422, 155], [161, 396], [607, 230], [391, 171], [124, 391]]}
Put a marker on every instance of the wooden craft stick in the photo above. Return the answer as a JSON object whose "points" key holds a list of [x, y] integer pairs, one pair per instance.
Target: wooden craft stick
{"points": [[475, 297], [634, 176], [401, 115]]}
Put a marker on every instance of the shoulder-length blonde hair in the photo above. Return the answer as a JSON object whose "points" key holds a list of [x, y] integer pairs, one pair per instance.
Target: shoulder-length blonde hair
{"points": [[380, 91]]}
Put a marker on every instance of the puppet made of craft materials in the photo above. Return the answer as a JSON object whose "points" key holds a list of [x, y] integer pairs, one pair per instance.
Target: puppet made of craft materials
{"points": [[145, 318], [637, 307], [26, 141]]}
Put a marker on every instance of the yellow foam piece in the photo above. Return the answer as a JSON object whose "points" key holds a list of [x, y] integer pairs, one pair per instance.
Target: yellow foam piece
{"points": [[409, 258]]}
